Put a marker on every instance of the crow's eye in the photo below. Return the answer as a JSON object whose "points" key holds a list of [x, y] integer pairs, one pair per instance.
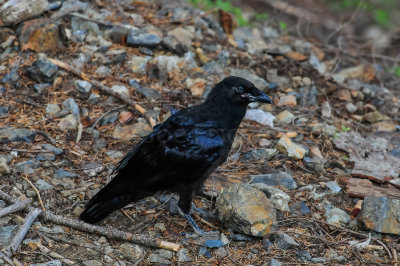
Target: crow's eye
{"points": [[239, 89]]}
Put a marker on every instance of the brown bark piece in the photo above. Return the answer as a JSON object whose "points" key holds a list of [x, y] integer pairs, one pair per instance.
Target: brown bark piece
{"points": [[360, 188], [370, 156]]}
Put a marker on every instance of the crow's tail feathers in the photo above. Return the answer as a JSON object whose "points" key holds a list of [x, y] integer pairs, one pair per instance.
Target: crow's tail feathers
{"points": [[102, 204]]}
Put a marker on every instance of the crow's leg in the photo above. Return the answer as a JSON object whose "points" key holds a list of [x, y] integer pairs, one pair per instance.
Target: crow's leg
{"points": [[192, 223], [184, 204]]}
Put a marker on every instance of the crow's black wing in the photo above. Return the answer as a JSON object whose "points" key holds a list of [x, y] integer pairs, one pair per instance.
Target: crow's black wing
{"points": [[177, 154]]}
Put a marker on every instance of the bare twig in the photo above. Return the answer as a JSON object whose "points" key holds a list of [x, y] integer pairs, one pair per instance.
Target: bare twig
{"points": [[6, 258], [36, 190], [109, 232], [106, 89], [20, 205], [104, 114], [79, 135], [16, 241]]}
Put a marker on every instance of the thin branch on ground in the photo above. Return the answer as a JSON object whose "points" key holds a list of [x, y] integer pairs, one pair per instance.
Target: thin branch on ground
{"points": [[108, 231], [6, 258], [15, 207], [20, 235], [37, 192]]}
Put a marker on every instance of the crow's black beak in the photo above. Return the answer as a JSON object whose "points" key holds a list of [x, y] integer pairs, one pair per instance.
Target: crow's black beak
{"points": [[259, 96]]}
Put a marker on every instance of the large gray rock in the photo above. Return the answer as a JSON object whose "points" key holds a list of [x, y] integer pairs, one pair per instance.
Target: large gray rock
{"points": [[15, 11], [245, 209], [381, 214]]}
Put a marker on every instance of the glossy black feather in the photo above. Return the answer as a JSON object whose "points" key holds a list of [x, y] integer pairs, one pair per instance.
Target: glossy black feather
{"points": [[179, 154]]}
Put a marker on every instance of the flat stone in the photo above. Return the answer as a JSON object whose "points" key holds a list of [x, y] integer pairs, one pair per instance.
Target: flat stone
{"points": [[285, 117], [129, 131], [45, 156], [260, 83], [196, 86], [60, 173], [351, 108], [374, 117], [279, 179], [263, 154], [138, 64], [287, 147], [55, 150], [52, 108], [27, 167], [283, 241], [165, 67], [68, 122], [385, 126], [136, 39], [116, 56], [131, 250], [13, 12], [183, 255], [103, 71], [245, 209], [381, 214], [11, 134], [213, 243], [179, 40], [322, 128], [43, 185], [83, 86], [161, 256], [333, 187], [343, 95], [43, 71], [260, 116], [121, 90], [287, 100], [315, 164]]}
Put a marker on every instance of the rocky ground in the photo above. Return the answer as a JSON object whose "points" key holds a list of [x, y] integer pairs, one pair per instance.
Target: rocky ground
{"points": [[311, 179]]}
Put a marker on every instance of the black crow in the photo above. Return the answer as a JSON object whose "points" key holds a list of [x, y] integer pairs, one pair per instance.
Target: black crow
{"points": [[180, 153]]}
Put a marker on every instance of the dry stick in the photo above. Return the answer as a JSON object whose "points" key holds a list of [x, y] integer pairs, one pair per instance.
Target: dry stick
{"points": [[6, 258], [16, 241], [99, 85], [109, 232], [15, 207], [37, 192]]}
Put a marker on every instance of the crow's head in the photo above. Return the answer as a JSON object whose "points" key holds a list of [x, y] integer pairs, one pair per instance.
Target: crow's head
{"points": [[238, 90]]}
